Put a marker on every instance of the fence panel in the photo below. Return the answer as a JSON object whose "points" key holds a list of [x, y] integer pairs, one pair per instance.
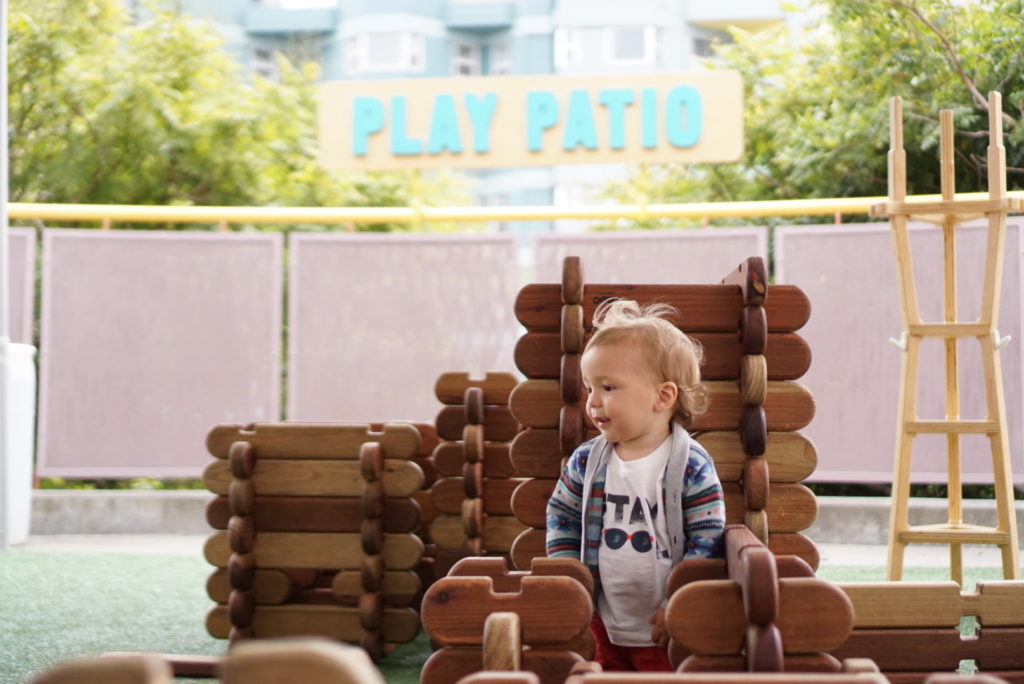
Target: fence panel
{"points": [[694, 256], [147, 340], [21, 280], [374, 320], [849, 273]]}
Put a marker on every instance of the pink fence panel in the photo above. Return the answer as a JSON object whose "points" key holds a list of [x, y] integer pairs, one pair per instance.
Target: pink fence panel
{"points": [[147, 340], [849, 273], [694, 256], [374, 320], [21, 279]]}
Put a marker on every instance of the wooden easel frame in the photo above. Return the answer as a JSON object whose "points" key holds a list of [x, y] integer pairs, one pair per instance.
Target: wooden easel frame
{"points": [[948, 213]]}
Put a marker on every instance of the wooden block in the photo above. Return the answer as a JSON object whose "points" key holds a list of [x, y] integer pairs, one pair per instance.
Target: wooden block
{"points": [[791, 457], [572, 280], [499, 425], [399, 587], [314, 440], [751, 277], [709, 308], [335, 622], [505, 580], [1000, 604], [450, 388], [270, 587], [999, 648], [123, 668], [904, 604], [552, 610], [789, 406], [538, 355], [813, 616], [791, 507], [448, 494], [315, 514], [764, 648], [278, 477], [502, 647], [905, 649], [537, 452], [447, 665], [794, 544], [311, 661], [527, 546], [449, 457], [499, 532], [496, 677], [316, 550], [530, 500]]}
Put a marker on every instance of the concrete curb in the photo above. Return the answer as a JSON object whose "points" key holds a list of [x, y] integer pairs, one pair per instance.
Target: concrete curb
{"points": [[841, 519]]}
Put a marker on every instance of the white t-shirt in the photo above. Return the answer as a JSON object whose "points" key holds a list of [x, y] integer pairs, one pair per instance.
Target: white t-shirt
{"points": [[634, 556]]}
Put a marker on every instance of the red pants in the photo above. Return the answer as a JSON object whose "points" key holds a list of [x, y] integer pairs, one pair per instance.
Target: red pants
{"points": [[626, 658]]}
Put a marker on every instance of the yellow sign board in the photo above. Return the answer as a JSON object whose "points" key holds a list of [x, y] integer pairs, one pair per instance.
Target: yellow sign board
{"points": [[532, 120]]}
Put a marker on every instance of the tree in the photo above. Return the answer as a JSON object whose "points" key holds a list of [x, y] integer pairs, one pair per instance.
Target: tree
{"points": [[107, 111], [816, 108]]}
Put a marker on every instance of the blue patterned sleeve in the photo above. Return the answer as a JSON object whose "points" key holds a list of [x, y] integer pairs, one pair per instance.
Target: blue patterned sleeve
{"points": [[703, 507], [565, 508]]}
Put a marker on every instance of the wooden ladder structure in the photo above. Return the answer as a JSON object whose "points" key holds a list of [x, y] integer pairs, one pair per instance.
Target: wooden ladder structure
{"points": [[948, 213]]}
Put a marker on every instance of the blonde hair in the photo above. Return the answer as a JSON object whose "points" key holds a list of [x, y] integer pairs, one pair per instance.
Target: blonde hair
{"points": [[670, 354]]}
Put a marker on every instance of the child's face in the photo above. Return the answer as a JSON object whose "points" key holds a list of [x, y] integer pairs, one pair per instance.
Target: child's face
{"points": [[625, 402]]}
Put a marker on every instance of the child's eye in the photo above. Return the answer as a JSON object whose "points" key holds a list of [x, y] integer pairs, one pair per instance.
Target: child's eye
{"points": [[607, 388], [588, 389]]}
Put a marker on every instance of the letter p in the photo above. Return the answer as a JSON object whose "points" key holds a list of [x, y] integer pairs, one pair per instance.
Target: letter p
{"points": [[367, 119]]}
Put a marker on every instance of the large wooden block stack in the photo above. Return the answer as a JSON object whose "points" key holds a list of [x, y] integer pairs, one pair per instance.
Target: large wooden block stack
{"points": [[752, 358], [473, 493], [315, 535], [911, 628]]}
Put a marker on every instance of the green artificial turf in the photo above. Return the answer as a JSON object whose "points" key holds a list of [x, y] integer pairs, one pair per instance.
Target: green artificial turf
{"points": [[59, 605]]}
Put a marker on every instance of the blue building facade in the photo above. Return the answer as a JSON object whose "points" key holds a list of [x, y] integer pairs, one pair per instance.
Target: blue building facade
{"points": [[402, 39]]}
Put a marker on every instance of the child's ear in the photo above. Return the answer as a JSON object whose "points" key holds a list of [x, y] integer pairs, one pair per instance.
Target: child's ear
{"points": [[667, 395]]}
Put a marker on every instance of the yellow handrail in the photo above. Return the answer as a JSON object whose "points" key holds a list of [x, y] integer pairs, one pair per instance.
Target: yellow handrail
{"points": [[324, 215]]}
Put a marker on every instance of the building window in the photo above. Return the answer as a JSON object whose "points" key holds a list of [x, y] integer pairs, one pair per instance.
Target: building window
{"points": [[466, 59], [264, 63], [501, 62], [632, 45], [568, 47], [703, 47], [372, 52]]}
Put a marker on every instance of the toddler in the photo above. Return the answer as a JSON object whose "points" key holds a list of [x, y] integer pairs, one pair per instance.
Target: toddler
{"points": [[641, 497]]}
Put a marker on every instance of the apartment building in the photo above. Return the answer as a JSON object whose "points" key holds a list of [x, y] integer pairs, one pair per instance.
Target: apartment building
{"points": [[407, 39]]}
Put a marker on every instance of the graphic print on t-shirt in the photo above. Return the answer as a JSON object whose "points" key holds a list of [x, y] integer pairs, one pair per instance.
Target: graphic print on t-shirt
{"points": [[625, 522]]}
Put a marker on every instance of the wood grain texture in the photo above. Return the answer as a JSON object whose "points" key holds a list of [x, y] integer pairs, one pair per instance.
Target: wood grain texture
{"points": [[788, 406], [269, 587], [530, 500], [938, 648], [450, 388], [502, 647], [751, 277], [448, 665], [507, 580], [791, 457], [787, 355], [499, 532], [448, 494], [293, 477], [552, 610], [323, 551], [399, 587], [314, 440], [335, 622], [449, 458], [307, 660], [904, 604], [813, 616], [791, 507], [709, 308], [499, 425], [315, 514]]}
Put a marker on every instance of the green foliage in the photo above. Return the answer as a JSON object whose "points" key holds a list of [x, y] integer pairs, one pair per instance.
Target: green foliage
{"points": [[107, 111], [144, 483], [816, 110]]}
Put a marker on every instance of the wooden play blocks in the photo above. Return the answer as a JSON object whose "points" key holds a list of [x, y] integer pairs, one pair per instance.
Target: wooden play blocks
{"points": [[316, 532]]}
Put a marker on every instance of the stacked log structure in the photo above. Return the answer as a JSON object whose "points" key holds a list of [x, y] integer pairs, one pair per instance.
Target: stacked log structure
{"points": [[314, 532], [471, 498]]}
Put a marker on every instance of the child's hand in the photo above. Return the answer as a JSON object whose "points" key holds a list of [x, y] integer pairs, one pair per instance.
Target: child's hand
{"points": [[659, 635]]}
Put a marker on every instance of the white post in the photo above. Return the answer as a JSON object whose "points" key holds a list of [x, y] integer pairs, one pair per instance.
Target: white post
{"points": [[4, 271]]}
